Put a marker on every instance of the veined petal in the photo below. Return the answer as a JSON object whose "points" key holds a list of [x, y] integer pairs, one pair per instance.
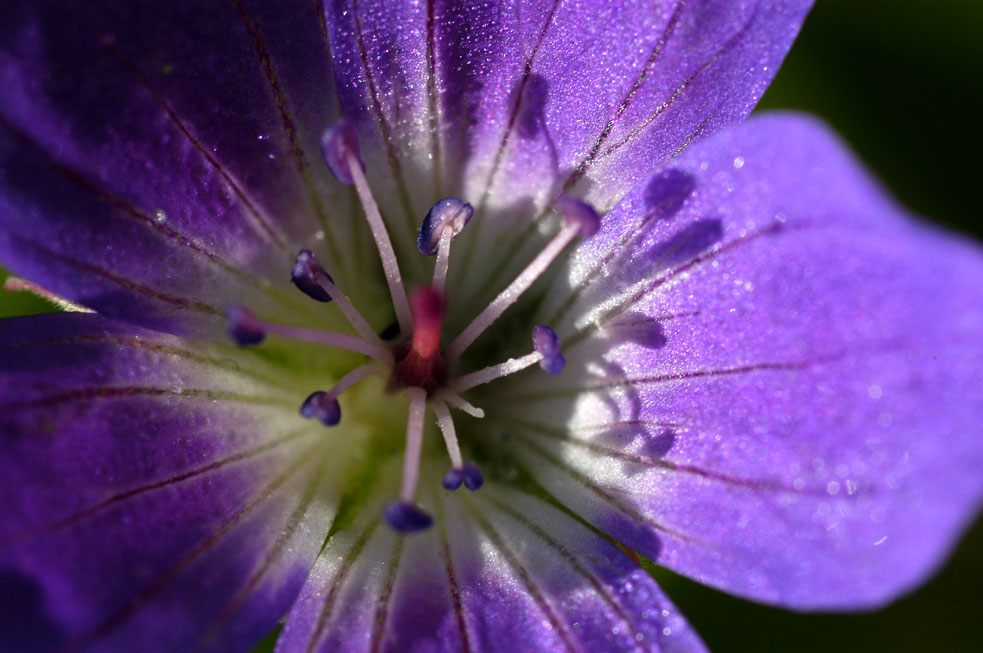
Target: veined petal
{"points": [[499, 570], [141, 470], [534, 96], [160, 160], [785, 396]]}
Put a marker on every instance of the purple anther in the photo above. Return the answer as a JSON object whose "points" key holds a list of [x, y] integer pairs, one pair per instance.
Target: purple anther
{"points": [[473, 478], [323, 406], [448, 213], [305, 275], [547, 343], [578, 212], [244, 328], [453, 478], [404, 517], [337, 144]]}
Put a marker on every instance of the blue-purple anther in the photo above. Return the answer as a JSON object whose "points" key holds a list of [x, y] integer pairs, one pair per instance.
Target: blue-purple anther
{"points": [[469, 475], [306, 274], [578, 212], [448, 213], [547, 343], [337, 144], [323, 406], [243, 326], [404, 517]]}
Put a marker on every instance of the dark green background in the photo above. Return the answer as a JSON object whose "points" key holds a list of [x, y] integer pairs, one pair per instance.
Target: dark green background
{"points": [[902, 81]]}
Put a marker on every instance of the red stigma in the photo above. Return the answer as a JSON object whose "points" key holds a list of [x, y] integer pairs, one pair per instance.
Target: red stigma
{"points": [[422, 364]]}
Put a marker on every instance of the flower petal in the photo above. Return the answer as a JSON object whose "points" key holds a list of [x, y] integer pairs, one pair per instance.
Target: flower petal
{"points": [[789, 396], [161, 160], [534, 96], [499, 570], [152, 490]]}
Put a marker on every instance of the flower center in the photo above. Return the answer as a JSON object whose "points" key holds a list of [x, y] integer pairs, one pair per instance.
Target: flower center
{"points": [[418, 366]]}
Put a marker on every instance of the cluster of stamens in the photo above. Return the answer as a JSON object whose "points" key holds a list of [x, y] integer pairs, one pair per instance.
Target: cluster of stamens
{"points": [[417, 366]]}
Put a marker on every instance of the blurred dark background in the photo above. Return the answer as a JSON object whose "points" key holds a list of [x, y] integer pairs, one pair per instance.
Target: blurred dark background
{"points": [[902, 81]]}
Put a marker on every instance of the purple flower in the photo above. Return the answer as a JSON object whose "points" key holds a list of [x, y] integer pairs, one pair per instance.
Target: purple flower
{"points": [[758, 372]]}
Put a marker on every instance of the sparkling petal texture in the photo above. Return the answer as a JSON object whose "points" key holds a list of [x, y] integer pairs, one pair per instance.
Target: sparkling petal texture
{"points": [[771, 381], [499, 571], [153, 152], [779, 391], [139, 471]]}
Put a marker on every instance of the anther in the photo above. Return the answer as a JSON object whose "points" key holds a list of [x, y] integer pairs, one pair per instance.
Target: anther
{"points": [[581, 220], [310, 277], [307, 274], [444, 221], [323, 406], [404, 517], [244, 327], [468, 474], [546, 342], [578, 213], [337, 143]]}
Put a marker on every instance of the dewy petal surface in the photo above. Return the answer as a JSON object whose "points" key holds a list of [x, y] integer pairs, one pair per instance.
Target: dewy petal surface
{"points": [[500, 570], [534, 96], [773, 382], [154, 153], [152, 491]]}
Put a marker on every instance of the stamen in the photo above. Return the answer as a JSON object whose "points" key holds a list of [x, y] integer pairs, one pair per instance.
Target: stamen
{"points": [[244, 328], [462, 404], [339, 145], [444, 221], [546, 352], [581, 219], [247, 329], [324, 405], [336, 144], [310, 277], [402, 515]]}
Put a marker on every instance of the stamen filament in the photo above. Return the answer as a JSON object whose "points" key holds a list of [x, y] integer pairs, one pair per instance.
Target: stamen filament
{"points": [[492, 372], [446, 424], [414, 444], [462, 404], [329, 339], [381, 236], [443, 260], [353, 377], [359, 323], [511, 294]]}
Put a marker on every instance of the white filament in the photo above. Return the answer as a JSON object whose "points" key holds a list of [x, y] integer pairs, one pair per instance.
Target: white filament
{"points": [[353, 377], [414, 443], [329, 339], [492, 372], [462, 404], [351, 313], [446, 424], [514, 290], [378, 228]]}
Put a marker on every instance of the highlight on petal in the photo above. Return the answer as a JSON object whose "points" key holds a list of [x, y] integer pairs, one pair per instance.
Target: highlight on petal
{"points": [[499, 570], [141, 471], [774, 389]]}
